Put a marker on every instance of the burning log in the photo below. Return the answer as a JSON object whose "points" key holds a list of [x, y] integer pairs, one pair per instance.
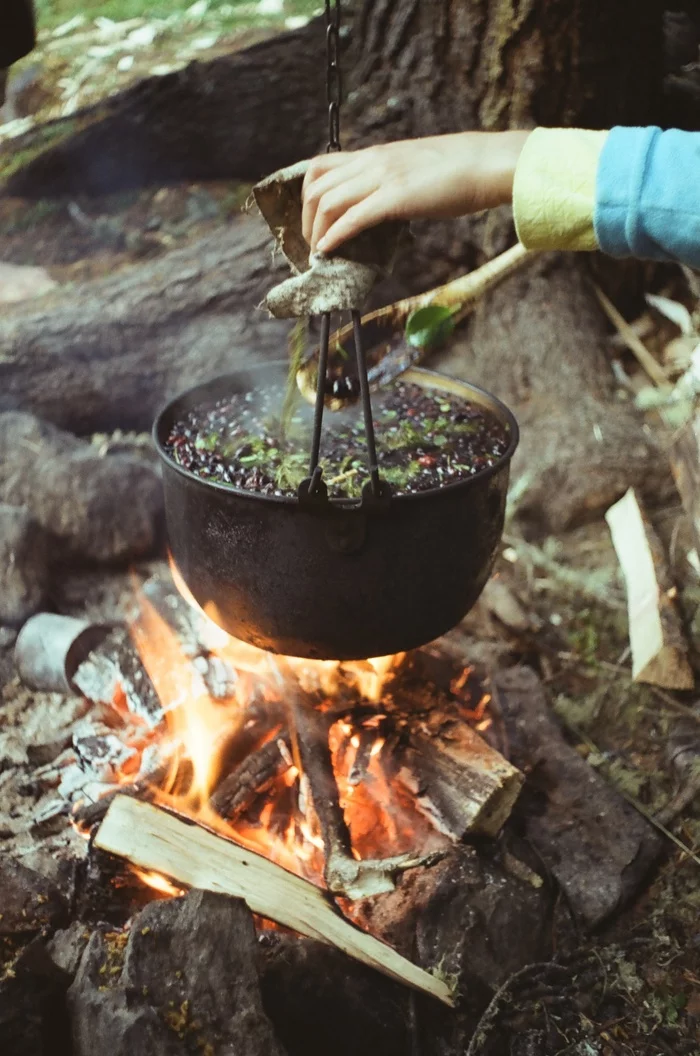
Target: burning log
{"points": [[345, 874], [112, 671], [462, 783], [659, 650], [255, 775], [153, 839]]}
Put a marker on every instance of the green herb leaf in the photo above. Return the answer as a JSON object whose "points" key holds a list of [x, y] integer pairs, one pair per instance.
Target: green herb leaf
{"points": [[430, 326]]}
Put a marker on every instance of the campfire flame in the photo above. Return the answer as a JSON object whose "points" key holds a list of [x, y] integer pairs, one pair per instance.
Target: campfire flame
{"points": [[228, 751], [201, 730]]}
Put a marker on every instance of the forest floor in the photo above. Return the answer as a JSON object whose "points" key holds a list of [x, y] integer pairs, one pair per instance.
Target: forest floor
{"points": [[569, 588]]}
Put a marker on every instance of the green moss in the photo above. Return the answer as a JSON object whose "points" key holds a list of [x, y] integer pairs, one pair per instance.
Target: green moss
{"points": [[37, 142]]}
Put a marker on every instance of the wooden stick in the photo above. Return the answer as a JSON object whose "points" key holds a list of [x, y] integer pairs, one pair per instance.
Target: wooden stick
{"points": [[685, 464], [184, 851], [659, 651], [633, 342], [345, 874], [462, 294]]}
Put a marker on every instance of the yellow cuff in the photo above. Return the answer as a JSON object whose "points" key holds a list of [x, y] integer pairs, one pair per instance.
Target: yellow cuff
{"points": [[554, 188]]}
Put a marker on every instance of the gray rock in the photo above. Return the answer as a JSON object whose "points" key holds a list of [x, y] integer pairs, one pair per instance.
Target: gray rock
{"points": [[184, 980], [97, 508], [29, 901], [23, 565]]}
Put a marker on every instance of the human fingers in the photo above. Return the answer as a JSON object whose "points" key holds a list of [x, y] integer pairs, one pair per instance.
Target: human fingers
{"points": [[337, 201], [324, 163], [367, 212], [318, 188]]}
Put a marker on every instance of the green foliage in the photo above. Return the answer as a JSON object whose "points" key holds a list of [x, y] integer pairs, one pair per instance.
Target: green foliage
{"points": [[291, 471], [430, 327], [406, 434], [298, 344]]}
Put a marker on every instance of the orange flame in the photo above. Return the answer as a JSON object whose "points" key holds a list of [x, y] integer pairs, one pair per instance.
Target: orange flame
{"points": [[201, 729]]}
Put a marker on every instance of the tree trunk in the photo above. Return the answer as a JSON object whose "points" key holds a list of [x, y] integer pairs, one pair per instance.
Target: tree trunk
{"points": [[538, 341]]}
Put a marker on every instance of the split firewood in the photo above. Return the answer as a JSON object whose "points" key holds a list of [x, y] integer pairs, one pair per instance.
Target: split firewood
{"points": [[685, 464], [154, 839], [659, 649], [462, 783], [345, 874]]}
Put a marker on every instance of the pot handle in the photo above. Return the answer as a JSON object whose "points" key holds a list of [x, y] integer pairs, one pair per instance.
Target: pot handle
{"points": [[313, 486]]}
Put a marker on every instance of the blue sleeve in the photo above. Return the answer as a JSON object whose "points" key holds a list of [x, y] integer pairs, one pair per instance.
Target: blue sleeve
{"points": [[648, 195]]}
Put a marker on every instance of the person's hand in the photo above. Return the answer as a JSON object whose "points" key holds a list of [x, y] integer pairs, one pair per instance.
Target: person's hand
{"points": [[439, 176]]}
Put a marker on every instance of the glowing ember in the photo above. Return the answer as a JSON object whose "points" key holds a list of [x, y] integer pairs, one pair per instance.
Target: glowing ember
{"points": [[158, 883]]}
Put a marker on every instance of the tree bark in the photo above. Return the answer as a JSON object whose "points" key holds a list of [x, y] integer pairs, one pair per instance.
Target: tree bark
{"points": [[538, 341]]}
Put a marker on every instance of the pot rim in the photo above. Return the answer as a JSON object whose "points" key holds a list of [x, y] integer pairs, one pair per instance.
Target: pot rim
{"points": [[418, 375]]}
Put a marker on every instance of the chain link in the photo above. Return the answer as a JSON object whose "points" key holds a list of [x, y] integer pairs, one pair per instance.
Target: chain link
{"points": [[334, 86]]}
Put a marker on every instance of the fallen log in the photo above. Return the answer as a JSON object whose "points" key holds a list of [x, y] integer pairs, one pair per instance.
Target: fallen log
{"points": [[211, 120], [659, 650], [153, 839], [108, 354]]}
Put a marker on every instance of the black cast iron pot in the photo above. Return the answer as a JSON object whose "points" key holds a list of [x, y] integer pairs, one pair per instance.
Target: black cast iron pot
{"points": [[333, 579]]}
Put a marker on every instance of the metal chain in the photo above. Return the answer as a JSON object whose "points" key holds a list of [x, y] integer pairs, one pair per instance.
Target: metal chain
{"points": [[334, 84], [334, 90]]}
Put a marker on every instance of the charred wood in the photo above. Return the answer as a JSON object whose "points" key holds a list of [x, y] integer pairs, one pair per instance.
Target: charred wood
{"points": [[345, 874], [113, 674], [597, 846], [257, 773]]}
